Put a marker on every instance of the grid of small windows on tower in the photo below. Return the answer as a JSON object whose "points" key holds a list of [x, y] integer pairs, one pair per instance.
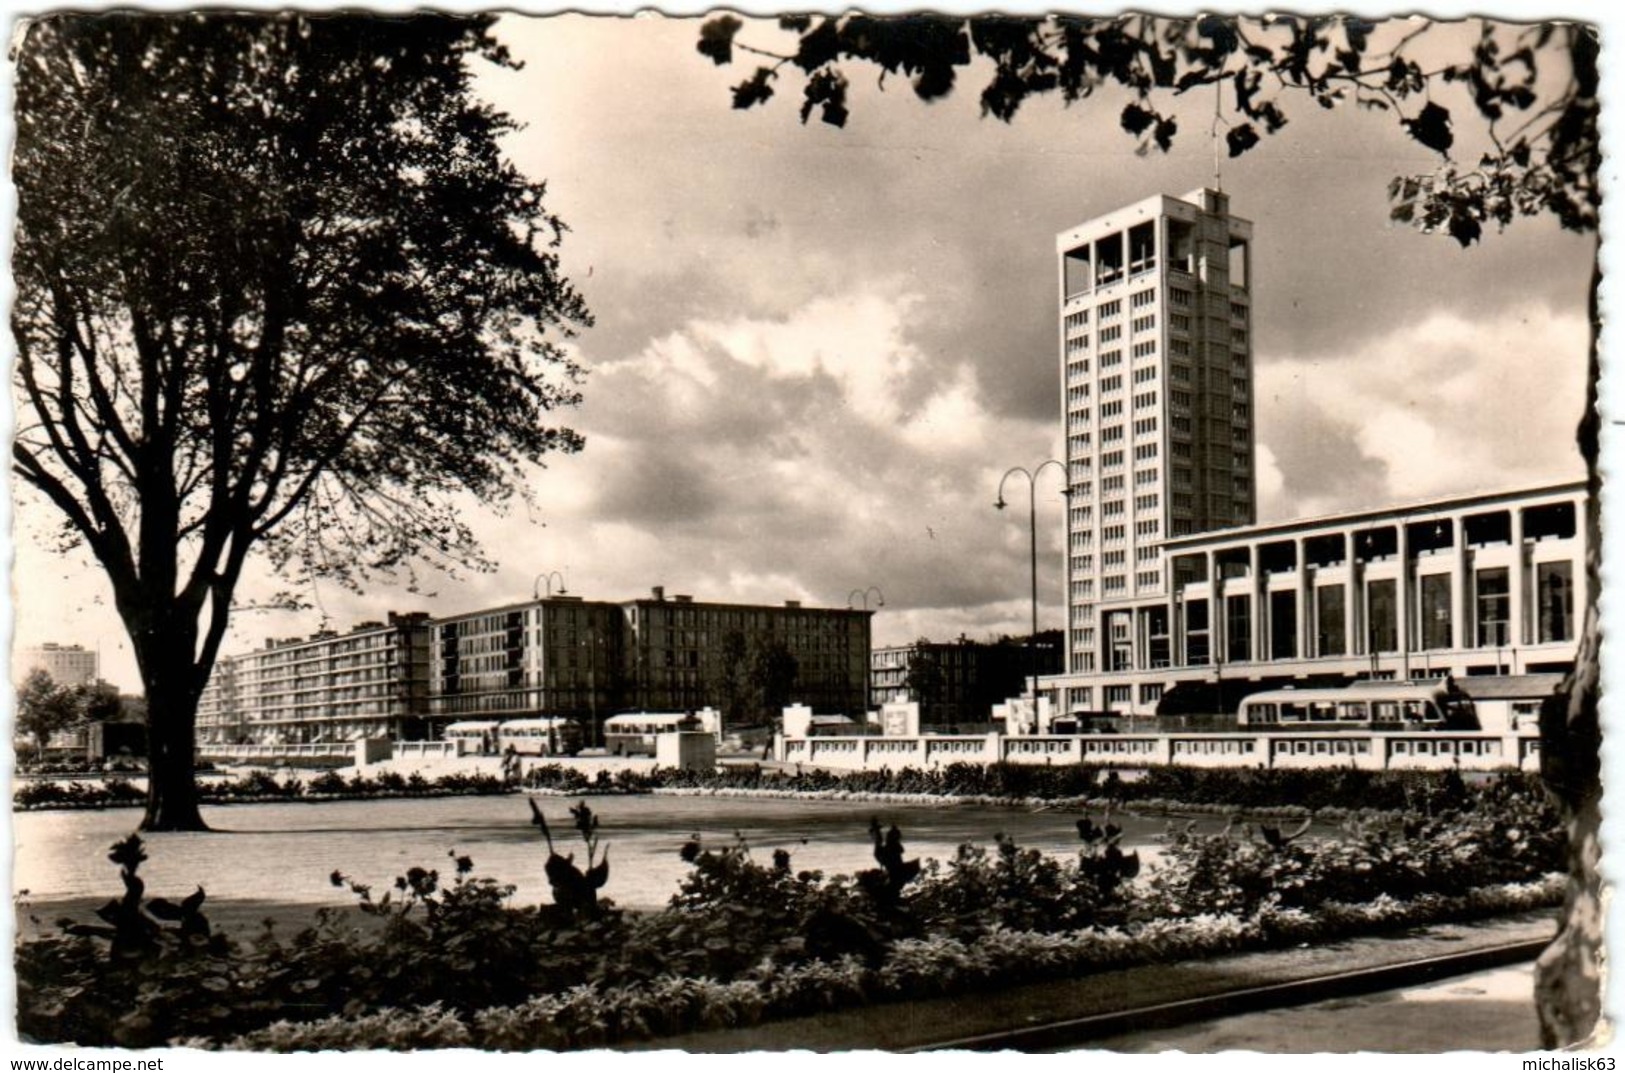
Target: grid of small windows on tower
{"points": [[1143, 324], [1081, 515], [1079, 468], [1238, 311], [1111, 408], [1147, 502], [1114, 583], [1113, 508], [1109, 384], [1147, 555], [1147, 349], [1238, 384], [1111, 484], [1240, 436], [1113, 559], [1145, 476], [1148, 579], [1180, 398], [1111, 359], [1077, 418], [1144, 452], [1179, 297], [1239, 459], [1141, 299], [1077, 344], [1084, 589], [1180, 424], [1080, 319], [1183, 501], [1145, 399], [1240, 411], [1145, 426], [1182, 476], [1078, 442], [1110, 333], [1112, 434], [1111, 460], [1238, 336], [1077, 368], [1110, 309], [1083, 564], [1145, 374], [1180, 374], [1179, 348], [1113, 534], [1180, 321]]}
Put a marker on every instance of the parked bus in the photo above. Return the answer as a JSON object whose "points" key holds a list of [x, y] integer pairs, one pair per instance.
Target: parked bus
{"points": [[477, 736], [547, 736], [633, 733], [1367, 706]]}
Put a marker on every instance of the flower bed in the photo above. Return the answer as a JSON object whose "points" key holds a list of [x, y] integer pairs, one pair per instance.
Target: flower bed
{"points": [[456, 964]]}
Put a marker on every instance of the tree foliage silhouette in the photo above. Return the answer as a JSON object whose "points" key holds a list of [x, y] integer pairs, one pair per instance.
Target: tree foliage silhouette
{"points": [[277, 290]]}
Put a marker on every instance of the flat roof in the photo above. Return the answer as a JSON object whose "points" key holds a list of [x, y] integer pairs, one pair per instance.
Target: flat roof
{"points": [[1433, 506]]}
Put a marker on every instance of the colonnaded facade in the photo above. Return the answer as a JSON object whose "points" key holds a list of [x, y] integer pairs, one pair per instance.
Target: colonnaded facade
{"points": [[1176, 600], [556, 655]]}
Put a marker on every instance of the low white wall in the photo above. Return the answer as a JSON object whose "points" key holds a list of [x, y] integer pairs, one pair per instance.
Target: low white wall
{"points": [[1476, 751]]}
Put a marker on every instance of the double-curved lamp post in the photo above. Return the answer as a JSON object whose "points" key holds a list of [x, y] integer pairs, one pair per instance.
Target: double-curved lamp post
{"points": [[536, 587], [1032, 537], [856, 595]]}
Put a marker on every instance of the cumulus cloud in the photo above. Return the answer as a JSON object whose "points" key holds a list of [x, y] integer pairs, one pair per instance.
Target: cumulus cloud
{"points": [[1441, 406]]}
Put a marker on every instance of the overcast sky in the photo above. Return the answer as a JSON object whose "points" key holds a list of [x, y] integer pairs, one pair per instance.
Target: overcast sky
{"points": [[817, 350]]}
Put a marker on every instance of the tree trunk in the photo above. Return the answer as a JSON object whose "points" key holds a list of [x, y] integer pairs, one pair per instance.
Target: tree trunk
{"points": [[1568, 976], [172, 800]]}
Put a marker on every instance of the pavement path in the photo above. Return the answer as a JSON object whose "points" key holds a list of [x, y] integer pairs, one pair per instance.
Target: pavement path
{"points": [[1482, 1011], [936, 1023]]}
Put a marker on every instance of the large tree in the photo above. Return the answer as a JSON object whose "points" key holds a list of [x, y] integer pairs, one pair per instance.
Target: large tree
{"points": [[277, 289], [1527, 94]]}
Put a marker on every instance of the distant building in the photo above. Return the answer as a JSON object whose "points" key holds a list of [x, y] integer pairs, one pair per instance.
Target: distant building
{"points": [[966, 678], [68, 665]]}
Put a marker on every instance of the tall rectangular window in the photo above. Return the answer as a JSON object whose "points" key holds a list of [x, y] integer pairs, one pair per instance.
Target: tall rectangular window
{"points": [[1554, 584], [1493, 599], [1382, 619], [1330, 639], [1238, 621], [1196, 633], [1433, 610], [1283, 625]]}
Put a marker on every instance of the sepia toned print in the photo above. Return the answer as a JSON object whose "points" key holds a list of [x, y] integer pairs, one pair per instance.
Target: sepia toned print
{"points": [[819, 533]]}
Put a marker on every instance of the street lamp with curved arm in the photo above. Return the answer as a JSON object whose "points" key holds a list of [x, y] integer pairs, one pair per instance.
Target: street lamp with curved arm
{"points": [[863, 594], [1032, 537], [536, 586]]}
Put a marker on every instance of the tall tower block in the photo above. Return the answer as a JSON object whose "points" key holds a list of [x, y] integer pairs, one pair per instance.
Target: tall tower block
{"points": [[1156, 360]]}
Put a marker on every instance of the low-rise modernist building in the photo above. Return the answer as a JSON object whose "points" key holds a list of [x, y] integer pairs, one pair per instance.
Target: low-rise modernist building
{"points": [[1468, 586], [961, 681]]}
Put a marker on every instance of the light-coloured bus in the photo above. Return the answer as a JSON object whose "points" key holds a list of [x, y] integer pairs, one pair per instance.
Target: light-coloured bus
{"points": [[633, 733], [1366, 706]]}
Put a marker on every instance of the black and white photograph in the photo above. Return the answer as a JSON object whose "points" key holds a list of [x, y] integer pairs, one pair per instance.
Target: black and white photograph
{"points": [[828, 532]]}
